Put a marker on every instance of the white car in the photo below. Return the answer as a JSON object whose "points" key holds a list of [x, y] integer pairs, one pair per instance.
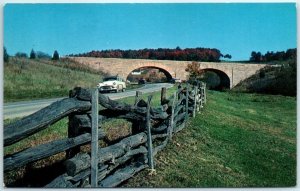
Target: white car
{"points": [[112, 83]]}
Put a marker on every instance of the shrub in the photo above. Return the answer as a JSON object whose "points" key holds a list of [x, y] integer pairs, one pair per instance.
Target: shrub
{"points": [[272, 80], [21, 55], [43, 55]]}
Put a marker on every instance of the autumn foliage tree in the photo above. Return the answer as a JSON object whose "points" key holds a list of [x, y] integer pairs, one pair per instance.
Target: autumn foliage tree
{"points": [[188, 54], [194, 70]]}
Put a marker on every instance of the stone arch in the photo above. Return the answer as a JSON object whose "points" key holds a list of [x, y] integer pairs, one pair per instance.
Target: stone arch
{"points": [[163, 68], [225, 81]]}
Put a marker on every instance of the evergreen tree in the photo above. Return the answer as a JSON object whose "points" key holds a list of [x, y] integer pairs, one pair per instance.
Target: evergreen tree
{"points": [[227, 56], [55, 55], [5, 55], [32, 54]]}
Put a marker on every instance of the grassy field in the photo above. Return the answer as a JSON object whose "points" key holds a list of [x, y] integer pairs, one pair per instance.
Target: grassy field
{"points": [[239, 140], [26, 79]]}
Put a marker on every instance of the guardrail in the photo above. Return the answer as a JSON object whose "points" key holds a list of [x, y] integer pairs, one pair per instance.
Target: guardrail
{"points": [[152, 128]]}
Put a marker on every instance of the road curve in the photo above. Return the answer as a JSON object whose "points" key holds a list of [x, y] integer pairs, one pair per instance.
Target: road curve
{"points": [[24, 108]]}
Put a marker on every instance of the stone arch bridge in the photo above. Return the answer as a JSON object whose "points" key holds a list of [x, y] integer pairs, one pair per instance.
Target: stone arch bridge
{"points": [[231, 72]]}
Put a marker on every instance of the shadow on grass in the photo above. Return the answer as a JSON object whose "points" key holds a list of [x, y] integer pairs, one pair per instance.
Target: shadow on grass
{"points": [[36, 177]]}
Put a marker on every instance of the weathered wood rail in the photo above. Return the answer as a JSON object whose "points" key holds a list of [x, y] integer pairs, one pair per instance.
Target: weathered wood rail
{"points": [[152, 129]]}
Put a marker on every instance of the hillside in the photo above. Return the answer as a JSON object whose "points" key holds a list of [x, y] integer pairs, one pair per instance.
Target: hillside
{"points": [[272, 80], [26, 79]]}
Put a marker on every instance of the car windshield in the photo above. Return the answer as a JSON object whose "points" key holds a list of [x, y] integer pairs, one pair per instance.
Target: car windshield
{"points": [[110, 79]]}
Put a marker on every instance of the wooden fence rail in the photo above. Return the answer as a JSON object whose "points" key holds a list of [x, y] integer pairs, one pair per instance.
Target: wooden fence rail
{"points": [[152, 129]]}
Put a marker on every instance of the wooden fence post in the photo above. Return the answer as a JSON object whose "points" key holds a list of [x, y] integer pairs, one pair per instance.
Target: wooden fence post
{"points": [[73, 131], [195, 100], [201, 95], [137, 95], [94, 142], [187, 102], [163, 95], [149, 138], [172, 116], [198, 96], [204, 92]]}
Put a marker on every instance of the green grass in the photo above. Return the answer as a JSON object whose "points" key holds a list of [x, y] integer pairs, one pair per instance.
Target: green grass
{"points": [[26, 79], [239, 140], [56, 131], [155, 101]]}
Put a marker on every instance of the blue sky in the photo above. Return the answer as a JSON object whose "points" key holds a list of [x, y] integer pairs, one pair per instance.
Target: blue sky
{"points": [[236, 29]]}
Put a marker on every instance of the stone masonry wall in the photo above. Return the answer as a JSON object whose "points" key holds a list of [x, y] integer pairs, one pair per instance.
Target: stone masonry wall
{"points": [[122, 67]]}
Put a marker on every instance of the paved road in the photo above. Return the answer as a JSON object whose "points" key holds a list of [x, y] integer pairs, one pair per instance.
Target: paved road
{"points": [[24, 108]]}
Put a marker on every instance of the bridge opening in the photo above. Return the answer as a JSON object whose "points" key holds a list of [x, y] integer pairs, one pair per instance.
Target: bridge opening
{"points": [[215, 79], [149, 74]]}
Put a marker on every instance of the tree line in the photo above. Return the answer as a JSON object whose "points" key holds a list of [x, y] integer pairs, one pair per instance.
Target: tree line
{"points": [[188, 54], [289, 54], [40, 54], [33, 55]]}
